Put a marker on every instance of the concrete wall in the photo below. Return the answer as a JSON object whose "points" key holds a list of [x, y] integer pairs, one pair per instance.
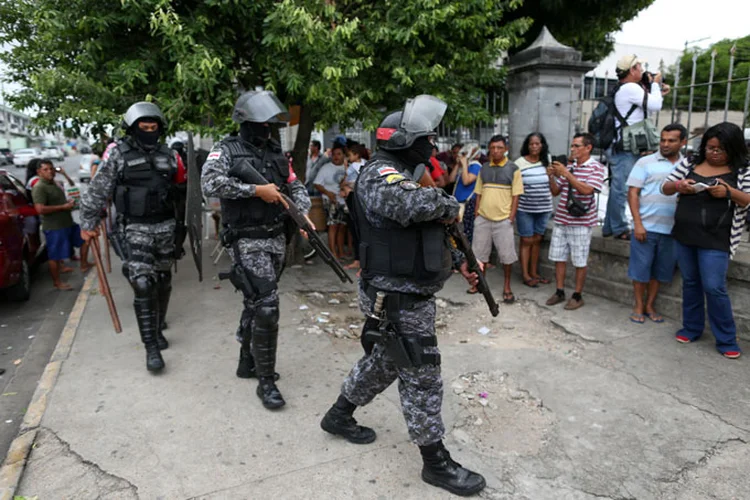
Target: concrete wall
{"points": [[608, 277]]}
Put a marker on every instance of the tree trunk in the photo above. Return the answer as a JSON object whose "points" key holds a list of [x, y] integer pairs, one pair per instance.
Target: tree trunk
{"points": [[304, 132], [294, 251]]}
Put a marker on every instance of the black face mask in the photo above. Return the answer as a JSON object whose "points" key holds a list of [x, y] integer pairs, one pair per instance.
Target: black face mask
{"points": [[147, 139], [419, 152], [255, 133]]}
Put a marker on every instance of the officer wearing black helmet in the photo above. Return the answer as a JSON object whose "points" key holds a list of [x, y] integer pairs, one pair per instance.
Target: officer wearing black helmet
{"points": [[141, 175], [406, 258], [254, 229]]}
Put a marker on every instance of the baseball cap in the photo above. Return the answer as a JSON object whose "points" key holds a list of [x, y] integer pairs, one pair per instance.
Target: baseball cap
{"points": [[627, 62]]}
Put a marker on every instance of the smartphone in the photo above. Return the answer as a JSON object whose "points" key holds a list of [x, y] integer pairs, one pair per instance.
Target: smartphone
{"points": [[561, 158], [699, 186]]}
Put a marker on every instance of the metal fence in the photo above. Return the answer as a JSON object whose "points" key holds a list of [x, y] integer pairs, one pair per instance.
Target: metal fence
{"points": [[683, 104]]}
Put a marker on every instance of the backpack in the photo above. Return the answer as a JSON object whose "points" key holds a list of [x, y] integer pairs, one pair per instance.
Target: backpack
{"points": [[603, 123]]}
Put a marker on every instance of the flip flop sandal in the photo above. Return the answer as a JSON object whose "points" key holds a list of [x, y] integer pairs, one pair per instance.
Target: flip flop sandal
{"points": [[656, 318], [531, 283], [508, 298], [543, 280], [638, 318], [472, 291]]}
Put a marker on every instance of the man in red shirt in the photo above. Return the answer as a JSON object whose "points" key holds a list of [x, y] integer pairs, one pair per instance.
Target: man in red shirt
{"points": [[575, 216]]}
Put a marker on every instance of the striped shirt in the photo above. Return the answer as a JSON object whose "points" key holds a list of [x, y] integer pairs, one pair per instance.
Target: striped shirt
{"points": [[743, 184], [590, 172], [536, 197]]}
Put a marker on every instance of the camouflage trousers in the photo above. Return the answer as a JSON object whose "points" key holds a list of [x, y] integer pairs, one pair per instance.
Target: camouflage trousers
{"points": [[150, 247], [420, 388], [262, 265]]}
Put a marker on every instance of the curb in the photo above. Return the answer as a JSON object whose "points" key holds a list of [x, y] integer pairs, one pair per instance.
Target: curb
{"points": [[18, 453]]}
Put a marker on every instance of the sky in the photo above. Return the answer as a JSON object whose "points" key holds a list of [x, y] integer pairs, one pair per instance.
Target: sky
{"points": [[669, 23]]}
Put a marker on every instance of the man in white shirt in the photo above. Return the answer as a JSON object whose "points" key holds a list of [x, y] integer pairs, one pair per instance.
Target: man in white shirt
{"points": [[630, 97]]}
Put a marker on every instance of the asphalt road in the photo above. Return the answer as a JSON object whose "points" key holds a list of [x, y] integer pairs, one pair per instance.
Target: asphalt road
{"points": [[29, 332]]}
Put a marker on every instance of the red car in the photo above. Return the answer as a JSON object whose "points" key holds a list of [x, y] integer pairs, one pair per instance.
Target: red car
{"points": [[20, 242]]}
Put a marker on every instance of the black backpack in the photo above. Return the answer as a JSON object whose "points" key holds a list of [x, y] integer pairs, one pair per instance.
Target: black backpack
{"points": [[602, 124]]}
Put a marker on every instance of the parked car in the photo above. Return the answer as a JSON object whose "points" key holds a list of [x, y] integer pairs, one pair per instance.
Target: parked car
{"points": [[6, 156], [19, 251], [84, 167], [53, 153], [22, 157]]}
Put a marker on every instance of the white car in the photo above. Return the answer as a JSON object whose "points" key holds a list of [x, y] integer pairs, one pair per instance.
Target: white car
{"points": [[22, 157], [53, 154], [84, 167]]}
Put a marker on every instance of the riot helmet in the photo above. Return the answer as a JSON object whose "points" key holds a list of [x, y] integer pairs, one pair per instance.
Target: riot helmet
{"points": [[419, 118], [259, 106], [142, 110]]}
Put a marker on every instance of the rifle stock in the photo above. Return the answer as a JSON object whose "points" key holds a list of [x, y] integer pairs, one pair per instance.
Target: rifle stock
{"points": [[456, 232]]}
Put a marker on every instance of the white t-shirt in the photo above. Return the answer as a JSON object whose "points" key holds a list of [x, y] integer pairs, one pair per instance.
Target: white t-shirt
{"points": [[632, 93], [330, 176]]}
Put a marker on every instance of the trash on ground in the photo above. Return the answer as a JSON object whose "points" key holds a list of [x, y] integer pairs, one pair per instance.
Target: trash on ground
{"points": [[483, 331]]}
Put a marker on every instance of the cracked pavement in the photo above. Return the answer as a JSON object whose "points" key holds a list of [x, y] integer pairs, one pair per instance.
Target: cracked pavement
{"points": [[549, 404]]}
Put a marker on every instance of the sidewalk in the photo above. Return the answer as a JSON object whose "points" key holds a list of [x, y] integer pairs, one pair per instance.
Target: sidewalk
{"points": [[579, 405]]}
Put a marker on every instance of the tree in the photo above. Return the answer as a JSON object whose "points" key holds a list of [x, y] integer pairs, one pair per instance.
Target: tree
{"points": [[80, 64], [587, 25], [721, 74]]}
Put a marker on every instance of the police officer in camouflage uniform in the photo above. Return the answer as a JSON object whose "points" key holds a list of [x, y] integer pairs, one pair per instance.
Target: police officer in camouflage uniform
{"points": [[141, 175], [406, 258], [254, 222]]}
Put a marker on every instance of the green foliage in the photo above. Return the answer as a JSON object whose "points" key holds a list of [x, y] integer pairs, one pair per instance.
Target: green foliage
{"points": [[81, 62], [587, 25], [721, 73]]}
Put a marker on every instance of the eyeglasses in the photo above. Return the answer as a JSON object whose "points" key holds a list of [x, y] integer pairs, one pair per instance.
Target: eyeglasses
{"points": [[715, 151], [576, 146]]}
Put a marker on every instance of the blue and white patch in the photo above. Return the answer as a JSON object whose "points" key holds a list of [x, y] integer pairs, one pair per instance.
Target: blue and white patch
{"points": [[383, 171]]}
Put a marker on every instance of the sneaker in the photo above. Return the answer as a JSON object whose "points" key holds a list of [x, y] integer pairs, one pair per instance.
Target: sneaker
{"points": [[682, 339], [555, 299], [574, 304], [732, 354]]}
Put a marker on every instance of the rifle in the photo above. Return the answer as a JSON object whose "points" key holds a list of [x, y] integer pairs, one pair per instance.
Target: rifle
{"points": [[462, 244], [247, 174], [104, 284]]}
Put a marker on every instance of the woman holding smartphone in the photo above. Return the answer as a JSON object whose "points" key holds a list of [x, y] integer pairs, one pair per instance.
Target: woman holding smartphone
{"points": [[714, 197]]}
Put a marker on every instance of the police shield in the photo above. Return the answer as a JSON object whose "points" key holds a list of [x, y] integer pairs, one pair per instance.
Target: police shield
{"points": [[193, 209]]}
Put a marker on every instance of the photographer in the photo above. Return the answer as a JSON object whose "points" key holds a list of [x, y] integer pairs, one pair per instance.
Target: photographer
{"points": [[637, 94], [576, 215]]}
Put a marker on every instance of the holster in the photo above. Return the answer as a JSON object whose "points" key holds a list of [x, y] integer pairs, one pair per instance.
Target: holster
{"points": [[251, 286], [119, 244]]}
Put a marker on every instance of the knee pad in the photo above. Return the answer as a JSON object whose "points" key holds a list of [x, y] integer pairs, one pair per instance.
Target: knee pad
{"points": [[143, 286], [267, 317]]}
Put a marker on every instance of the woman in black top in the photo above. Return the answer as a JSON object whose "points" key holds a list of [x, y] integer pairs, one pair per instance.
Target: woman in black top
{"points": [[711, 187]]}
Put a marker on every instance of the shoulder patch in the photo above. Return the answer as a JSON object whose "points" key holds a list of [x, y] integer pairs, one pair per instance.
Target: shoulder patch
{"points": [[392, 178], [408, 185], [214, 155], [383, 171]]}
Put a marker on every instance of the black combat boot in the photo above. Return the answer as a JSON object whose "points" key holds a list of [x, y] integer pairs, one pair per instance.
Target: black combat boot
{"points": [[164, 288], [442, 471], [339, 421], [147, 315], [264, 340]]}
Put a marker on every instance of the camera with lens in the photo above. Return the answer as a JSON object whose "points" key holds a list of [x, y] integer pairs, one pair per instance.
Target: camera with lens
{"points": [[647, 78]]}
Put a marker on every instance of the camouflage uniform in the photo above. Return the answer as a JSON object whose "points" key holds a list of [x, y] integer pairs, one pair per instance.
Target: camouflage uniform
{"points": [[262, 258], [396, 197], [151, 246]]}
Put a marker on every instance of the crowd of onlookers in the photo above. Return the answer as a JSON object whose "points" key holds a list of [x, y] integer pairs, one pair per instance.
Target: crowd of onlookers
{"points": [[687, 212]]}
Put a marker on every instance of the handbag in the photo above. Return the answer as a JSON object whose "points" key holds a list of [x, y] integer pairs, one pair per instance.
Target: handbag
{"points": [[575, 207], [641, 137]]}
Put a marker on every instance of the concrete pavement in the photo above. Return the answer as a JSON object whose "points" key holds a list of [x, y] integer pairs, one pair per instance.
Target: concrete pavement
{"points": [[579, 405]]}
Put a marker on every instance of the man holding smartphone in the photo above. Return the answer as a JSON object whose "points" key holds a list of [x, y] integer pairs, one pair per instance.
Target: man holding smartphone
{"points": [[575, 216]]}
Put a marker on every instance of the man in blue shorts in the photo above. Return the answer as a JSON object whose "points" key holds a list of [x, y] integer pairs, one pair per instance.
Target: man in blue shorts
{"points": [[61, 233], [652, 253]]}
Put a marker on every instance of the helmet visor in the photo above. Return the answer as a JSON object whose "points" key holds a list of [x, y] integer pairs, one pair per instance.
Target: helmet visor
{"points": [[260, 107], [423, 114]]}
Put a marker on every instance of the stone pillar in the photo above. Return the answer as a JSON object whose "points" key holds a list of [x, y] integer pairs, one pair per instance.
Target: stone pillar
{"points": [[544, 87]]}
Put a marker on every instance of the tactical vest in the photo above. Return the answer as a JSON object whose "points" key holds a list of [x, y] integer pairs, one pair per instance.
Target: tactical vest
{"points": [[418, 252], [265, 219], [144, 191]]}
